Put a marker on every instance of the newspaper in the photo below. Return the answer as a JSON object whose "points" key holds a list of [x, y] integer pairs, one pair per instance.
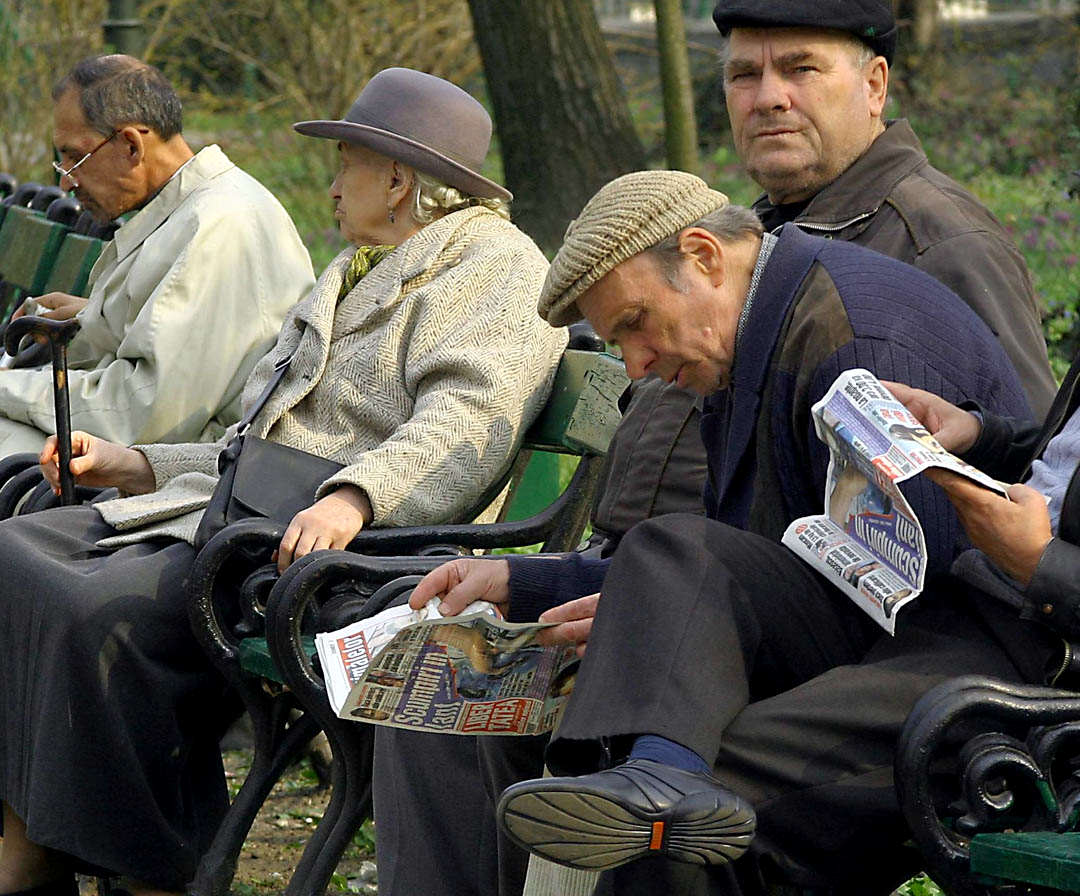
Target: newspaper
{"points": [[468, 674], [869, 540]]}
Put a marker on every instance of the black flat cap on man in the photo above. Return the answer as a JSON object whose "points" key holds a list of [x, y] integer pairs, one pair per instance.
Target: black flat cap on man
{"points": [[869, 20]]}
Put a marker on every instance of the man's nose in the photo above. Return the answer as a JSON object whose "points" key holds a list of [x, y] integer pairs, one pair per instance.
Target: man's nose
{"points": [[772, 93], [637, 361]]}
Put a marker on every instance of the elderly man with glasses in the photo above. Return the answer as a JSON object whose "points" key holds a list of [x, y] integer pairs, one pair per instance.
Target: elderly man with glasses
{"points": [[186, 297]]}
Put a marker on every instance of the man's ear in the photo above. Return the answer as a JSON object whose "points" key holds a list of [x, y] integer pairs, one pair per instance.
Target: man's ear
{"points": [[134, 142], [705, 251], [877, 85]]}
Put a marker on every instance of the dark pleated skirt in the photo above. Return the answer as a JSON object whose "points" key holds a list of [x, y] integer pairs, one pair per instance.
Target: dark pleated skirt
{"points": [[109, 712]]}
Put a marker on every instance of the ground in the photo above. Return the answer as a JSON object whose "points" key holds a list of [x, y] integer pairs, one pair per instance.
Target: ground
{"points": [[282, 828], [280, 831]]}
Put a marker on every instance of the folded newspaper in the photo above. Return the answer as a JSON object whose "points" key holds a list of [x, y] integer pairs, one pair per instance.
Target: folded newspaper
{"points": [[869, 540], [468, 674]]}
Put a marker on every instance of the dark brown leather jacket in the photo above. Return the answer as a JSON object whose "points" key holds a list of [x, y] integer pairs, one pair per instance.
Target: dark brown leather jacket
{"points": [[894, 201]]}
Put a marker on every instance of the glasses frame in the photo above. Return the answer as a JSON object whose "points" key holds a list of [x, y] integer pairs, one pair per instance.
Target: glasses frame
{"points": [[59, 169]]}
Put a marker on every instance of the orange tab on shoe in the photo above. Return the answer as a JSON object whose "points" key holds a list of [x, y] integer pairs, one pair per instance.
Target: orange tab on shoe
{"points": [[657, 835]]}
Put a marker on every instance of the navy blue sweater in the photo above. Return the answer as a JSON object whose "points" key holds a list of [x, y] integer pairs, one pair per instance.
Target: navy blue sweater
{"points": [[821, 307]]}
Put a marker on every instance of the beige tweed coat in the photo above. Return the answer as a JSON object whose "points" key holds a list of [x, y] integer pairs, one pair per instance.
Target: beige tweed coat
{"points": [[421, 381]]}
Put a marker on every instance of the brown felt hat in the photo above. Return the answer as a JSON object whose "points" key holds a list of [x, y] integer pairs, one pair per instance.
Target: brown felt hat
{"points": [[428, 123], [627, 216]]}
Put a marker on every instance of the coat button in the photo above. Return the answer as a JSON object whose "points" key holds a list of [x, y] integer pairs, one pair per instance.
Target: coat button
{"points": [[1047, 609]]}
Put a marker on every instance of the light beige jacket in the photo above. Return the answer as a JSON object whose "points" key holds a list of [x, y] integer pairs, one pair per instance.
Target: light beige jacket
{"points": [[184, 300], [421, 381]]}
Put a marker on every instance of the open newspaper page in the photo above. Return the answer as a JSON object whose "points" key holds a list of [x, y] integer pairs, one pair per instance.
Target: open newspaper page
{"points": [[869, 541], [468, 674]]}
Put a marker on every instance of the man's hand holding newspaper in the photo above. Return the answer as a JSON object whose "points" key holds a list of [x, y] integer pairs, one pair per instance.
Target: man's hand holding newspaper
{"points": [[1012, 532], [868, 541], [460, 582]]}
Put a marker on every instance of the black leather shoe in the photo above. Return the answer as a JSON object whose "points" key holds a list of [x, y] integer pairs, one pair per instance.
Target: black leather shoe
{"points": [[640, 808]]}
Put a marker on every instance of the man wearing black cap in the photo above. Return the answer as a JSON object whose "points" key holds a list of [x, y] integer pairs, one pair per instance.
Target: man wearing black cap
{"points": [[806, 83]]}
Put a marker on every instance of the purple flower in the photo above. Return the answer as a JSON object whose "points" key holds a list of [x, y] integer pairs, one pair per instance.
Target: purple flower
{"points": [[1040, 220], [1031, 240], [1051, 244], [1062, 216], [1070, 261]]}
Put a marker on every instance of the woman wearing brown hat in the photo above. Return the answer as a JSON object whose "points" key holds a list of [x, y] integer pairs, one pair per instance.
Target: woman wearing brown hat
{"points": [[415, 362]]}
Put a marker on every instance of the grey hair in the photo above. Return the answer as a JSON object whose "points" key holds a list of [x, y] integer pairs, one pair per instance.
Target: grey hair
{"points": [[432, 199], [116, 90], [863, 53], [728, 224]]}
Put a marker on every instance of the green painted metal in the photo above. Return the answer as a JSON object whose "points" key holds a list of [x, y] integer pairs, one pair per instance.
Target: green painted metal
{"points": [[580, 417], [29, 244], [582, 410], [75, 259], [538, 486], [256, 661], [1039, 858]]}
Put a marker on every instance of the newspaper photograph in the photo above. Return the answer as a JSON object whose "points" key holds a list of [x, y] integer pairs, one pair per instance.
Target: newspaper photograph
{"points": [[468, 674], [868, 540]]}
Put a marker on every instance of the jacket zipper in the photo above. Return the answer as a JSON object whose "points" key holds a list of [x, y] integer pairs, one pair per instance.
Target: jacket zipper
{"points": [[813, 225]]}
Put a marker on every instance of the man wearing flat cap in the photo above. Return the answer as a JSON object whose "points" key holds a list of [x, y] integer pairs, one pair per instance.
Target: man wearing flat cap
{"points": [[806, 83], [747, 665]]}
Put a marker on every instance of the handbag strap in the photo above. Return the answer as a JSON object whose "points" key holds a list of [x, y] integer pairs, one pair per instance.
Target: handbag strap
{"points": [[279, 372]]}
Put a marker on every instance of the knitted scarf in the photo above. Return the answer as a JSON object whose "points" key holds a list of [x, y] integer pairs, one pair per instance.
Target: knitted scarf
{"points": [[362, 262]]}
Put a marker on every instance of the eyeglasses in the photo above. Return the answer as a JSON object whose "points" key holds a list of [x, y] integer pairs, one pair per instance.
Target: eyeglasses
{"points": [[59, 169]]}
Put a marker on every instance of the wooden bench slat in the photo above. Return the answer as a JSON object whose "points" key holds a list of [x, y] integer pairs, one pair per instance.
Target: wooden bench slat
{"points": [[255, 657], [29, 243], [1039, 858], [73, 263]]}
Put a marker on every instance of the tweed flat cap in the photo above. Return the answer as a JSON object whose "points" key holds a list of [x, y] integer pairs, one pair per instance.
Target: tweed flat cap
{"points": [[627, 216], [869, 20]]}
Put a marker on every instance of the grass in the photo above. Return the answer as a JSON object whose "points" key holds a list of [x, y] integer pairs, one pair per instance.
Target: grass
{"points": [[920, 885]]}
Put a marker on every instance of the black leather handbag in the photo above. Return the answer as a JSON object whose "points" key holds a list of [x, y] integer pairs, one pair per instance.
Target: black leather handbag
{"points": [[260, 478]]}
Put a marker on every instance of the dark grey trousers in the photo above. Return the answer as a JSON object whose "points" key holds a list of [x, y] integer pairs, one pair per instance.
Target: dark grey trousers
{"points": [[726, 643]]}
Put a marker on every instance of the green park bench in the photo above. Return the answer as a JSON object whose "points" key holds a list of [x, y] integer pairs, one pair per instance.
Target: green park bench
{"points": [[267, 654], [71, 267], [1008, 822], [29, 244], [40, 252]]}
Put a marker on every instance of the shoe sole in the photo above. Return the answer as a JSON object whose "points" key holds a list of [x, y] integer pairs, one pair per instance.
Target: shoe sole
{"points": [[593, 831]]}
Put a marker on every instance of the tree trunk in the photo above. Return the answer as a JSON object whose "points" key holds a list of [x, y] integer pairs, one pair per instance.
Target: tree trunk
{"points": [[680, 128], [923, 17], [563, 124]]}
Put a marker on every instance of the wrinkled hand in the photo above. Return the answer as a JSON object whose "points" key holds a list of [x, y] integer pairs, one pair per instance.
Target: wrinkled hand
{"points": [[575, 619], [99, 463], [57, 305], [330, 523], [460, 582], [954, 428], [1013, 533]]}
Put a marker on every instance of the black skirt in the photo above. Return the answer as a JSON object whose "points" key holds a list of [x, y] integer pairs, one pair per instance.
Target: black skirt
{"points": [[110, 713]]}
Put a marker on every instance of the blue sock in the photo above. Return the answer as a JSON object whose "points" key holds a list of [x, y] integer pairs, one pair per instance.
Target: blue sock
{"points": [[660, 749]]}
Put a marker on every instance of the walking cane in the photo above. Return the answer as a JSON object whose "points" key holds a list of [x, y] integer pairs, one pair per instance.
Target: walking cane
{"points": [[57, 333]]}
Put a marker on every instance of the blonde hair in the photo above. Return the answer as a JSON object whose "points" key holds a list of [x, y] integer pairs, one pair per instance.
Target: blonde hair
{"points": [[432, 199]]}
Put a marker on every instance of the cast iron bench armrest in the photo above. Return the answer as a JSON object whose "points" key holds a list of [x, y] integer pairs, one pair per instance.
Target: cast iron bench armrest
{"points": [[1016, 764]]}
